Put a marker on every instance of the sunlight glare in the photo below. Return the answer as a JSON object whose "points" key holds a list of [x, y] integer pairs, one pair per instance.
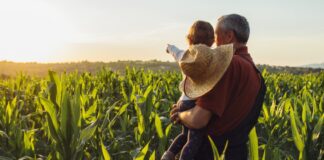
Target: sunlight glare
{"points": [[32, 31]]}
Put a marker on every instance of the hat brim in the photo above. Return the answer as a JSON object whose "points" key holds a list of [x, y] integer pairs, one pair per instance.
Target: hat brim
{"points": [[222, 57]]}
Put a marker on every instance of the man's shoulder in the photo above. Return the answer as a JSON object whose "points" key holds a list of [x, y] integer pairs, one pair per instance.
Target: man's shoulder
{"points": [[235, 65], [238, 59], [239, 69], [242, 63]]}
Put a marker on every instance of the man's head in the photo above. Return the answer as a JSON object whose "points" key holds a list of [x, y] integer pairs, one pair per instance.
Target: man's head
{"points": [[201, 32], [232, 28]]}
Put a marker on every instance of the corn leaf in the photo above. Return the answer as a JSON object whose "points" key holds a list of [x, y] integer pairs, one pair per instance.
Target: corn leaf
{"points": [[214, 148], [253, 143], [88, 132], [158, 126], [141, 155], [296, 136], [152, 157], [104, 152], [317, 129], [49, 108]]}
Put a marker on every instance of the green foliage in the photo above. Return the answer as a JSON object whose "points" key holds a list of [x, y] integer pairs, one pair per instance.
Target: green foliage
{"points": [[125, 115], [253, 145]]}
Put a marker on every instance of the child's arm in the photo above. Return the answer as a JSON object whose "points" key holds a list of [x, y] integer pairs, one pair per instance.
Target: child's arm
{"points": [[175, 52]]}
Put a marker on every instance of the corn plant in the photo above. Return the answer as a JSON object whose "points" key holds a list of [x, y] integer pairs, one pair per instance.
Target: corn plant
{"points": [[63, 118], [125, 115]]}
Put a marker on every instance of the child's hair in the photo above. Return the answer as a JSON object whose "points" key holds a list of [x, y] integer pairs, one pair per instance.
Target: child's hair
{"points": [[201, 32]]}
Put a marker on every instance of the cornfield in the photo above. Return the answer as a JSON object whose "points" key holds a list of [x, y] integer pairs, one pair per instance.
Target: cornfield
{"points": [[125, 115]]}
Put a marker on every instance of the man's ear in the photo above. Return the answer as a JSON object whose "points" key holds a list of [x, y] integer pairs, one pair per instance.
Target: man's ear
{"points": [[230, 37]]}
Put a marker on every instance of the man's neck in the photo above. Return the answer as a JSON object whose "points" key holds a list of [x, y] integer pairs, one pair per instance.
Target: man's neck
{"points": [[239, 45]]}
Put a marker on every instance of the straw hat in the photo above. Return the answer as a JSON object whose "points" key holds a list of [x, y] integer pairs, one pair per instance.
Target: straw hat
{"points": [[203, 68]]}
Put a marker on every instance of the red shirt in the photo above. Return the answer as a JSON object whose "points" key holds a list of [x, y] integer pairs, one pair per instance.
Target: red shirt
{"points": [[233, 96]]}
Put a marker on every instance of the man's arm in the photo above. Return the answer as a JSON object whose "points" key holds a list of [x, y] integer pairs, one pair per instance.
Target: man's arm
{"points": [[195, 118]]}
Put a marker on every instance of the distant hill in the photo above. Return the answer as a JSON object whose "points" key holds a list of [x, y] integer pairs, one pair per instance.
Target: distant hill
{"points": [[288, 69], [41, 69], [315, 65], [8, 69]]}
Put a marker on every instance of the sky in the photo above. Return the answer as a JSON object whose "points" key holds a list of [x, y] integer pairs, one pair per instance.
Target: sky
{"points": [[289, 32]]}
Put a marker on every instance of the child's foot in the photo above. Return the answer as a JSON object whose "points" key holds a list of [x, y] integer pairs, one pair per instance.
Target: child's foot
{"points": [[167, 156]]}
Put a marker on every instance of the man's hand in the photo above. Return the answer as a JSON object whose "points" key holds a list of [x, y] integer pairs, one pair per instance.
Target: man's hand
{"points": [[174, 114]]}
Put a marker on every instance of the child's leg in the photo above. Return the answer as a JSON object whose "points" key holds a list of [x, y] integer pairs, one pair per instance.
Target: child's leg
{"points": [[195, 138], [179, 141]]}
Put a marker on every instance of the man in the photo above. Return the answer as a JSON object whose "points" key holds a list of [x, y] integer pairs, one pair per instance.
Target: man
{"points": [[231, 108]]}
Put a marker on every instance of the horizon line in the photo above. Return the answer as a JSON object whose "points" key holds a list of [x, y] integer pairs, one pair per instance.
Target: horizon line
{"points": [[152, 60]]}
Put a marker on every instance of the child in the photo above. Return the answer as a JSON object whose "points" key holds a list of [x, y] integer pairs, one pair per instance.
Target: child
{"points": [[189, 140]]}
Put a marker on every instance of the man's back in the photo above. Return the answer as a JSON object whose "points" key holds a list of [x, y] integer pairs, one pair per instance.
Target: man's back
{"points": [[233, 97]]}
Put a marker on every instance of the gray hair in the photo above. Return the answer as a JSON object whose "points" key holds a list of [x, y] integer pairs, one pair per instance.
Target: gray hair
{"points": [[236, 23]]}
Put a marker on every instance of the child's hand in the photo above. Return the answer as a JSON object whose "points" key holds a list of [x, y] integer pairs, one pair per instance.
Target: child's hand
{"points": [[174, 114], [167, 49], [175, 52]]}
